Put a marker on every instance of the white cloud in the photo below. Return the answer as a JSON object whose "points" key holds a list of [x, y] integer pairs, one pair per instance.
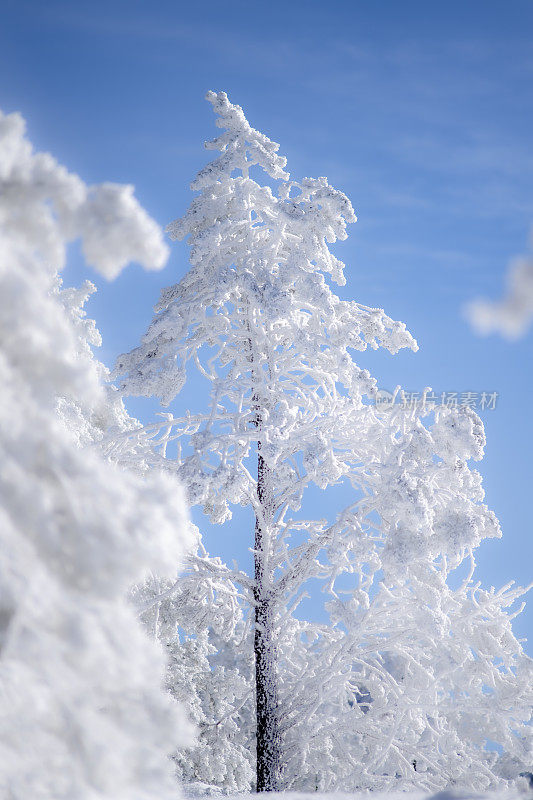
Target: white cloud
{"points": [[512, 315]]}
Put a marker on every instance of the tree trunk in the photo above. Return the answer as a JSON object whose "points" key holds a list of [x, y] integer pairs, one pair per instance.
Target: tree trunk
{"points": [[268, 738], [268, 743]]}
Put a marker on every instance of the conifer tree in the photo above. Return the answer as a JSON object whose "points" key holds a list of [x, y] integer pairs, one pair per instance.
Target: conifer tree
{"points": [[366, 700]]}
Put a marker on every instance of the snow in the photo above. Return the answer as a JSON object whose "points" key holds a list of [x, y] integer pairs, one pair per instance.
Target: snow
{"points": [[197, 790], [83, 710]]}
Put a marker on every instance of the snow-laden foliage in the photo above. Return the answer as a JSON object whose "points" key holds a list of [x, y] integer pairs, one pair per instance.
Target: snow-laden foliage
{"points": [[83, 712], [201, 623], [86, 419], [522, 790], [418, 672], [512, 315]]}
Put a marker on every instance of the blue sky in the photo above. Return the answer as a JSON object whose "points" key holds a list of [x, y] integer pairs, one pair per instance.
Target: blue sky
{"points": [[421, 112]]}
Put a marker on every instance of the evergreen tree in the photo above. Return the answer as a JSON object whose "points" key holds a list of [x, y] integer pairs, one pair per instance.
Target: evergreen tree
{"points": [[392, 692]]}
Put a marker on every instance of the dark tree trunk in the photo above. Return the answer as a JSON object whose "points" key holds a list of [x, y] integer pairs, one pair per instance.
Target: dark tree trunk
{"points": [[268, 733], [268, 738]]}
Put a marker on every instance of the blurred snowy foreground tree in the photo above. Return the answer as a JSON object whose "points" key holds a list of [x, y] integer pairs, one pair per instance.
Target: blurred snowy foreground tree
{"points": [[83, 711], [417, 681]]}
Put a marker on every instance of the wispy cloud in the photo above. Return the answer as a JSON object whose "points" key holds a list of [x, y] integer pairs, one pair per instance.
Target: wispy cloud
{"points": [[513, 314]]}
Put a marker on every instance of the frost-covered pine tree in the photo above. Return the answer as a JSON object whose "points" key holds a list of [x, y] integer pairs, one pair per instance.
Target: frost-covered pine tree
{"points": [[83, 711], [389, 694]]}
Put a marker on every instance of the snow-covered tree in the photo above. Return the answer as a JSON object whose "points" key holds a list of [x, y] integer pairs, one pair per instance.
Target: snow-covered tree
{"points": [[412, 677], [420, 671], [83, 711], [204, 629]]}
